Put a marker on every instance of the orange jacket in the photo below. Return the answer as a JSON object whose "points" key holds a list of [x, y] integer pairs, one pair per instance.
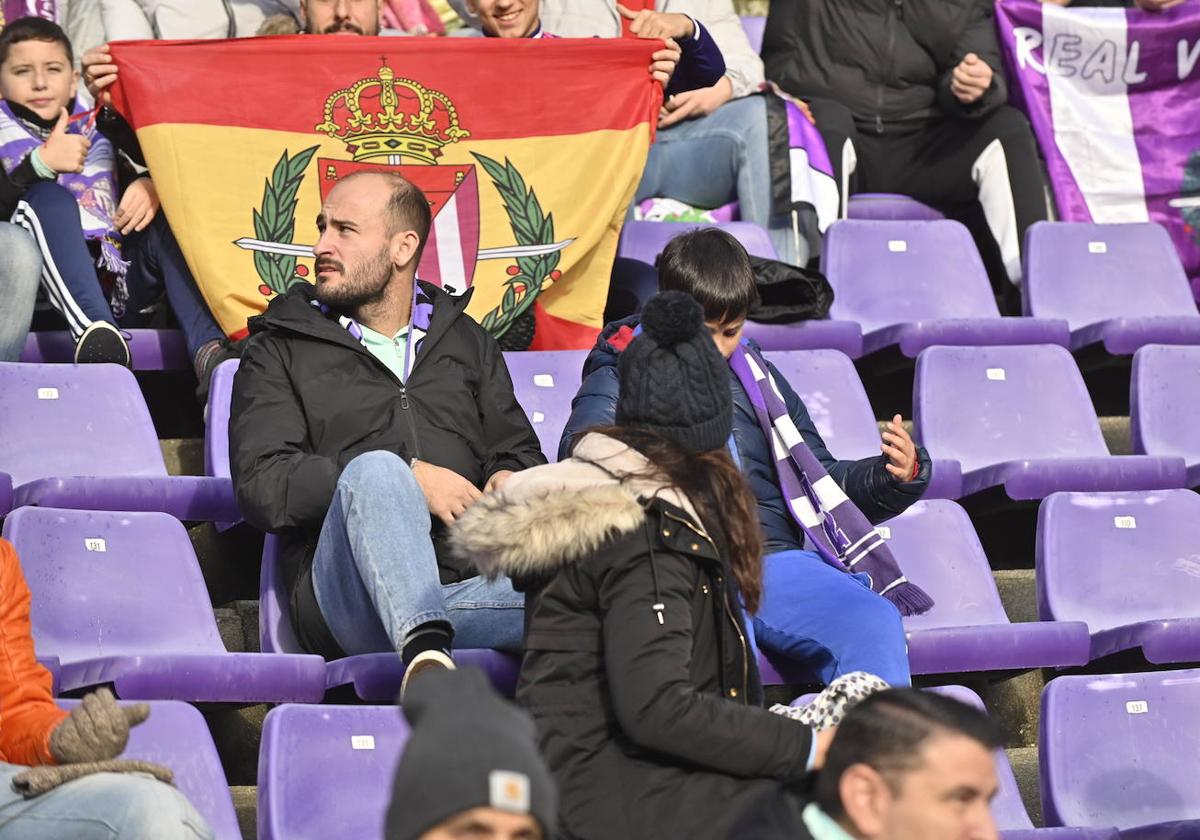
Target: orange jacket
{"points": [[27, 711]]}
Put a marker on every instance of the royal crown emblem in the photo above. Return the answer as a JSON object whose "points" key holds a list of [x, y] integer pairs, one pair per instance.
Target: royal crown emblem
{"points": [[389, 120]]}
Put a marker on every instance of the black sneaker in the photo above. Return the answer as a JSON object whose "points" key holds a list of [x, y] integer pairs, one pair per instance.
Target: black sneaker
{"points": [[229, 350], [102, 342]]}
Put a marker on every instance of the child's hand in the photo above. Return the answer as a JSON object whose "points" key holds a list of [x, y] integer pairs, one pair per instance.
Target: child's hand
{"points": [[64, 152], [138, 206], [900, 450]]}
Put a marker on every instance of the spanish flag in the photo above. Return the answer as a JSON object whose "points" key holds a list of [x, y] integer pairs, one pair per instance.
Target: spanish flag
{"points": [[528, 150]]}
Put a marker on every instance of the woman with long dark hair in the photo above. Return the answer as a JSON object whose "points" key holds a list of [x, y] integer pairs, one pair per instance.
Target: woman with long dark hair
{"points": [[637, 555]]}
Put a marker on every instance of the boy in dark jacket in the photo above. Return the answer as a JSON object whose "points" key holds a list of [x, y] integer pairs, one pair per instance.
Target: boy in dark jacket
{"points": [[363, 405], [910, 98], [811, 611]]}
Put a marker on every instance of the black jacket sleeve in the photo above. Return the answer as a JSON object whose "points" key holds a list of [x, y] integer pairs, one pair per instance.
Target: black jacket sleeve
{"points": [[279, 485], [979, 37], [121, 134], [14, 184], [510, 442], [656, 705]]}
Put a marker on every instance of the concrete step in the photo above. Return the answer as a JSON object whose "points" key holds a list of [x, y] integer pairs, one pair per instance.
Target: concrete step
{"points": [[245, 803]]}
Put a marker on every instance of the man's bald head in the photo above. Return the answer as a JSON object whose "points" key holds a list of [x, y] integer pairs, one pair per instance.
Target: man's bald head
{"points": [[341, 17], [401, 202]]}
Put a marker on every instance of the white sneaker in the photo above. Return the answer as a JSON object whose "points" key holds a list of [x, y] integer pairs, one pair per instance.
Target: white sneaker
{"points": [[424, 661], [102, 342]]}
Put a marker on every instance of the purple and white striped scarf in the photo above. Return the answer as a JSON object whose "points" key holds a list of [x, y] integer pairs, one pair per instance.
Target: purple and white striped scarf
{"points": [[844, 538], [94, 189]]}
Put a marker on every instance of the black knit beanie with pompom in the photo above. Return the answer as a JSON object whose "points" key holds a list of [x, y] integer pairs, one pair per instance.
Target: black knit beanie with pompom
{"points": [[673, 379]]}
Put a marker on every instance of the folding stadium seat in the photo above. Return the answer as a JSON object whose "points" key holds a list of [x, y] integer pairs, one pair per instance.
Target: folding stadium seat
{"points": [[916, 284], [754, 26], [829, 386], [149, 349], [177, 737], [119, 598], [376, 677], [889, 206], [968, 629], [1119, 286], [1128, 564], [80, 436], [326, 771], [1019, 418], [545, 384], [1164, 398], [216, 419], [1123, 750], [645, 240]]}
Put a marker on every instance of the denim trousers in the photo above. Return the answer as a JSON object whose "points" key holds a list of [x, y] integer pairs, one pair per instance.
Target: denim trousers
{"points": [[20, 268]]}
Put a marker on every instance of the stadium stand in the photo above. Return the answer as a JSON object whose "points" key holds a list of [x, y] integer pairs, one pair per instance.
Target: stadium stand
{"points": [[544, 384], [149, 349]]}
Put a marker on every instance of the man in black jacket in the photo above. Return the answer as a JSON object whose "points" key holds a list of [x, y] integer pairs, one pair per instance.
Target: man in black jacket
{"points": [[910, 98], [364, 404]]}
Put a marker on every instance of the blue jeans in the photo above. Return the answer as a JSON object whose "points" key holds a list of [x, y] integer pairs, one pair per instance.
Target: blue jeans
{"points": [[713, 160], [375, 573], [101, 807], [20, 268], [156, 265], [829, 620]]}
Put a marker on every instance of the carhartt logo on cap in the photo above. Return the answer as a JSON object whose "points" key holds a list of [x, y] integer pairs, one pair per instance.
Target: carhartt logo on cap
{"points": [[509, 791]]}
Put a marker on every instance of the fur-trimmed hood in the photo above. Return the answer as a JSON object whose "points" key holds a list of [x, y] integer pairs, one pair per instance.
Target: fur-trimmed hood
{"points": [[550, 516]]}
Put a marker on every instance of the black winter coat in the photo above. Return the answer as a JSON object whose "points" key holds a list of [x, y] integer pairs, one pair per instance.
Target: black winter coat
{"points": [[308, 398], [866, 482], [637, 669], [885, 60]]}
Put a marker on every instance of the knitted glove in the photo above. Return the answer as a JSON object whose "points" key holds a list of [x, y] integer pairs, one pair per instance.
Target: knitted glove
{"points": [[830, 706], [96, 730], [38, 780]]}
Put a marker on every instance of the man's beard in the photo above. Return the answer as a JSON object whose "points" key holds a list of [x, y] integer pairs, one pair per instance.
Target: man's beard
{"points": [[343, 26], [364, 285]]}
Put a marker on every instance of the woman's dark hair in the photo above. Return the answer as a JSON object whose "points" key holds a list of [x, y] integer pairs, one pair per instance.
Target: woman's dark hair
{"points": [[714, 268], [33, 29], [722, 499]]}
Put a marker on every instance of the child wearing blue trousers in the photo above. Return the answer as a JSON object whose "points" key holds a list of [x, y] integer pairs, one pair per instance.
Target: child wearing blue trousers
{"points": [[813, 611]]}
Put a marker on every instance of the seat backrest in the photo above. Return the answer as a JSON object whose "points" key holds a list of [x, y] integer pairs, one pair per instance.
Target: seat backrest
{"points": [[326, 771], [176, 736], [216, 421], [754, 26], [988, 405], [69, 420], [829, 387], [275, 633], [112, 584], [894, 272], [1088, 273], [937, 547], [890, 206], [1093, 547], [545, 383], [1164, 401], [645, 240], [1120, 750]]}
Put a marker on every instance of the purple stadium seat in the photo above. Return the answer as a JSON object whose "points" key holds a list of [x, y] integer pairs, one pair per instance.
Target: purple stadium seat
{"points": [[890, 207], [216, 419], [645, 240], [119, 598], [1123, 750], [80, 436], [1164, 398], [1092, 546], [754, 26], [1119, 285], [843, 336], [326, 771], [376, 677], [967, 629], [1020, 418], [150, 349], [177, 737], [545, 384], [917, 284]]}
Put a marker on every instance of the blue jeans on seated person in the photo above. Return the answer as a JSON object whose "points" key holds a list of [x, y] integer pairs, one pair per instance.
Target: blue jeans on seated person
{"points": [[724, 157], [106, 806], [20, 268], [831, 621], [156, 266], [375, 573]]}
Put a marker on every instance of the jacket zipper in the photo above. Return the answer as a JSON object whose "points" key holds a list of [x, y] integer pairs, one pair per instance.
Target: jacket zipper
{"points": [[725, 602], [896, 11], [412, 423]]}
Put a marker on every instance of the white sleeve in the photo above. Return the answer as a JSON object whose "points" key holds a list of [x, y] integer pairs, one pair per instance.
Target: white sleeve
{"points": [[125, 20]]}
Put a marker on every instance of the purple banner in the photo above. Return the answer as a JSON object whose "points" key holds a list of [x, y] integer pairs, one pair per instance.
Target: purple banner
{"points": [[13, 9], [1114, 98]]}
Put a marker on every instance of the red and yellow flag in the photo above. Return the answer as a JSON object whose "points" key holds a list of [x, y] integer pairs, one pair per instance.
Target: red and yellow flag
{"points": [[529, 152]]}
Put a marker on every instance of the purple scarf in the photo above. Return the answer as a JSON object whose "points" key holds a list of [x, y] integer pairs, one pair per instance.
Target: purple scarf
{"points": [[844, 538]]}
